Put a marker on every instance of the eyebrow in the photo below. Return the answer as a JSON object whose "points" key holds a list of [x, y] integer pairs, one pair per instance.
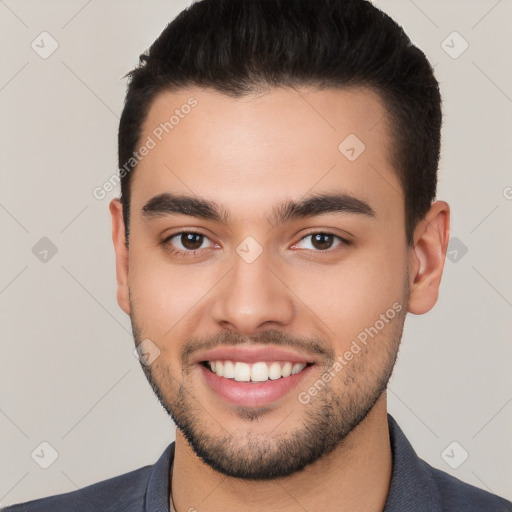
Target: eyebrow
{"points": [[311, 206]]}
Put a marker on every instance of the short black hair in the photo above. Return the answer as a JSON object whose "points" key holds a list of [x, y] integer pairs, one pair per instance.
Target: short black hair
{"points": [[240, 47]]}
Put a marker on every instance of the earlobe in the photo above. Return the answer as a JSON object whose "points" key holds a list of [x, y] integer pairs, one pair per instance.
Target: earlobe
{"points": [[119, 240], [427, 257]]}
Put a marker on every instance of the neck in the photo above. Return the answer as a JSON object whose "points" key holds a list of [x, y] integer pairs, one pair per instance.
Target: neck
{"points": [[354, 477]]}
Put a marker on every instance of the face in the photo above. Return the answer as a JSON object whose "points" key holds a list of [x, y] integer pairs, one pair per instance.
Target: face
{"points": [[267, 271]]}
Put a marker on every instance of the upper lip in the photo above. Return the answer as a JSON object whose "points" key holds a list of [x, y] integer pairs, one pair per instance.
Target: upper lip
{"points": [[252, 354]]}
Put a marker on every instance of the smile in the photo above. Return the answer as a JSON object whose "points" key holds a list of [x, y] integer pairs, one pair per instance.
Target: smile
{"points": [[260, 371], [255, 384]]}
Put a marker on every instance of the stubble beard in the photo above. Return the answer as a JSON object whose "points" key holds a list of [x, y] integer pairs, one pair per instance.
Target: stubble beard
{"points": [[335, 411]]}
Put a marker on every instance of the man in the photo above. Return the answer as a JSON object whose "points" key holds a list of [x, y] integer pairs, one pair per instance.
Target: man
{"points": [[276, 223]]}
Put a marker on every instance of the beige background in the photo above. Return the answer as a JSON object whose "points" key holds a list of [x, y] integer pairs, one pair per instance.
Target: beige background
{"points": [[68, 374]]}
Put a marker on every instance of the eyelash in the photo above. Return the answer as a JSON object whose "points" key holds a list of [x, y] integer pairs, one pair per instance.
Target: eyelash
{"points": [[186, 254]]}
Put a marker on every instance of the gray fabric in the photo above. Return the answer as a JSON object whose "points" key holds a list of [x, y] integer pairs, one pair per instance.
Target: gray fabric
{"points": [[415, 487]]}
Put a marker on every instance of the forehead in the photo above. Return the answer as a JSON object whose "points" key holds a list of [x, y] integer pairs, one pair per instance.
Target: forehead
{"points": [[249, 153]]}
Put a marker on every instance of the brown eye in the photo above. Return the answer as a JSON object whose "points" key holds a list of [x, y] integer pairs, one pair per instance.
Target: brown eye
{"points": [[322, 241], [185, 243], [191, 241]]}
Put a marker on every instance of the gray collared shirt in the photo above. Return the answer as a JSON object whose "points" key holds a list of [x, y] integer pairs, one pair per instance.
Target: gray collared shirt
{"points": [[415, 487]]}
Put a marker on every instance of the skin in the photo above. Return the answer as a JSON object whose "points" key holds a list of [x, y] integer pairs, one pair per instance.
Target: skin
{"points": [[248, 154]]}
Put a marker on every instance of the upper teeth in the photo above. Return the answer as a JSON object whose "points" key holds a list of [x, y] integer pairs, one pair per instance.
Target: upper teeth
{"points": [[256, 372]]}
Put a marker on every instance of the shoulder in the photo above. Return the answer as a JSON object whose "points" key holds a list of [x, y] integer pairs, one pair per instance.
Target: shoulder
{"points": [[123, 492], [416, 485], [456, 495]]}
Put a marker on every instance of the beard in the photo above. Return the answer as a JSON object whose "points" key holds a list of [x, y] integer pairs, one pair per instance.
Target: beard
{"points": [[327, 419]]}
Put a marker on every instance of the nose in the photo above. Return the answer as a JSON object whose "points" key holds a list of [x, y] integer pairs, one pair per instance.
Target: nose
{"points": [[252, 298]]}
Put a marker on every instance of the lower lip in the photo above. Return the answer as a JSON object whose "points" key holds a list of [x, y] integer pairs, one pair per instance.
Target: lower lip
{"points": [[252, 394]]}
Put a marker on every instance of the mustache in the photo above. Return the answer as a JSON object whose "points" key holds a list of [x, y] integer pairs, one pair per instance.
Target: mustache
{"points": [[312, 345]]}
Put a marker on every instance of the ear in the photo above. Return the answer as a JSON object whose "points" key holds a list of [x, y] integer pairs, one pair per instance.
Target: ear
{"points": [[118, 237], [427, 257]]}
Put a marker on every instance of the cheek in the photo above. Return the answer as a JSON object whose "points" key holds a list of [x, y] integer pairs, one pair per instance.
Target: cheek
{"points": [[351, 297], [166, 296], [383, 276]]}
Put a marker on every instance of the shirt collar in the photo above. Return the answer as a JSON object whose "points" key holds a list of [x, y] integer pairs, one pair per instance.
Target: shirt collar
{"points": [[412, 485], [157, 494]]}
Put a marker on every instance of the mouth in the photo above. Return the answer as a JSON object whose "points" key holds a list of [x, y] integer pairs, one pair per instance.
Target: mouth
{"points": [[260, 371], [257, 384]]}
